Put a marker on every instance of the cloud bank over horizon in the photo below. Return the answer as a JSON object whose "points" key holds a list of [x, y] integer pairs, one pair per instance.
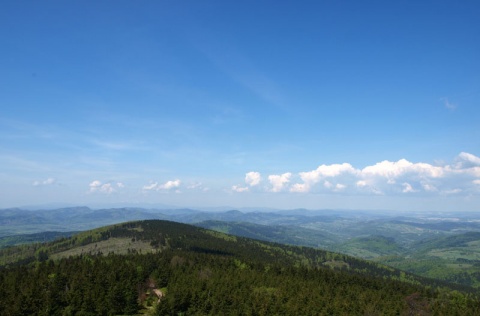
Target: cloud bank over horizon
{"points": [[440, 185], [462, 176]]}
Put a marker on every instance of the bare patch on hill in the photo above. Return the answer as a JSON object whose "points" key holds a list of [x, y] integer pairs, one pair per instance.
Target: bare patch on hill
{"points": [[112, 245]]}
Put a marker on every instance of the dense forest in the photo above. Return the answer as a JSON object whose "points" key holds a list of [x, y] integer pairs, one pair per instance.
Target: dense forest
{"points": [[187, 270]]}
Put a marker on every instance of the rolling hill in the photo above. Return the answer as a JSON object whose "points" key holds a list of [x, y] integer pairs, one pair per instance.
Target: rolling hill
{"points": [[161, 268]]}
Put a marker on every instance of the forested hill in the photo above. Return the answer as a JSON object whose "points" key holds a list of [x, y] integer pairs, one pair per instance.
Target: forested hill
{"points": [[166, 268]]}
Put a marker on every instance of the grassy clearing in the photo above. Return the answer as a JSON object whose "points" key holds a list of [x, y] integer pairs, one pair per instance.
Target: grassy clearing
{"points": [[455, 253], [337, 264], [112, 245], [459, 266], [220, 235]]}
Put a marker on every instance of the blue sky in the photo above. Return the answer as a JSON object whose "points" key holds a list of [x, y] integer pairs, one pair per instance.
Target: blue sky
{"points": [[283, 104]]}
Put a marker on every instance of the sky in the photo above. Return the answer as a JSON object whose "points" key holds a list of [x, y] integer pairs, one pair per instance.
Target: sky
{"points": [[280, 104]]}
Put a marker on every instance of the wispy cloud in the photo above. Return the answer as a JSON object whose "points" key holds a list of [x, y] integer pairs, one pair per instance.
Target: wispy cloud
{"points": [[48, 181], [198, 186], [449, 105], [110, 145], [237, 188], [239, 67]]}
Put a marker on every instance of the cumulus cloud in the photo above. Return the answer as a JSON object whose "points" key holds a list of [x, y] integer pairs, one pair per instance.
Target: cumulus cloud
{"points": [[409, 177], [107, 188], [326, 171], [252, 178], [167, 186], [278, 181], [173, 184], [48, 181], [385, 177], [94, 185], [466, 160], [392, 170], [323, 172]]}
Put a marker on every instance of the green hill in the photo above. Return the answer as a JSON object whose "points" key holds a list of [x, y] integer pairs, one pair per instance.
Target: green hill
{"points": [[450, 258], [32, 238], [165, 268], [284, 234], [371, 247]]}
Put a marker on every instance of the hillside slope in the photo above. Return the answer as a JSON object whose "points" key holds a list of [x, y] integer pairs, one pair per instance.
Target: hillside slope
{"points": [[165, 268]]}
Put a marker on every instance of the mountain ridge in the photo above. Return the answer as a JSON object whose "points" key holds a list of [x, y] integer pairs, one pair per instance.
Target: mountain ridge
{"points": [[199, 271]]}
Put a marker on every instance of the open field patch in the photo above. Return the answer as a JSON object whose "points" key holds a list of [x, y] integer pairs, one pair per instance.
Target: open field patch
{"points": [[112, 245]]}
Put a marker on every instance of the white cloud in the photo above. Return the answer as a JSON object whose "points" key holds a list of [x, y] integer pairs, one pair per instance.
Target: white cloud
{"points": [[252, 178], [151, 186], [300, 188], [336, 188], [237, 188], [392, 170], [169, 185], [429, 187], [453, 191], [466, 160], [367, 187], [407, 187], [278, 181], [173, 184], [107, 188], [361, 183], [48, 181], [462, 176], [95, 185], [386, 168], [326, 171], [194, 186], [310, 178], [198, 186]]}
